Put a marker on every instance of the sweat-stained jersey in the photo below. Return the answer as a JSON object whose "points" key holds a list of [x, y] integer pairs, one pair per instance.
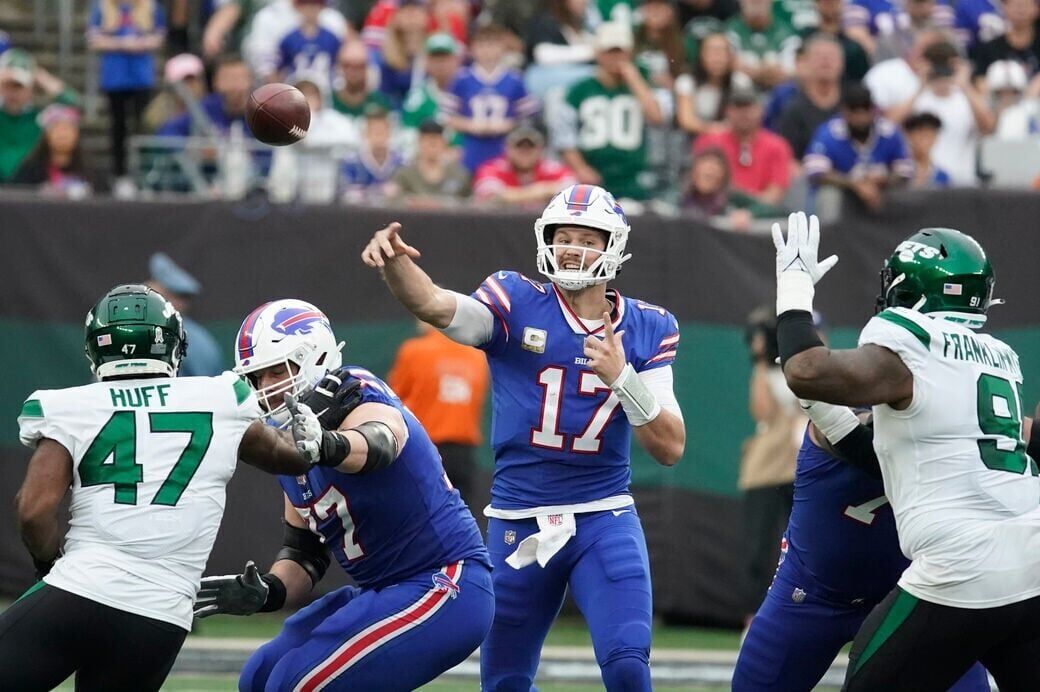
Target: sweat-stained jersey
{"points": [[151, 459], [559, 434], [389, 525], [964, 493]]}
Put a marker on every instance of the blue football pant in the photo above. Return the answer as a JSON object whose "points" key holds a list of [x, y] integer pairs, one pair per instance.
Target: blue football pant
{"points": [[366, 640], [790, 645], [607, 569]]}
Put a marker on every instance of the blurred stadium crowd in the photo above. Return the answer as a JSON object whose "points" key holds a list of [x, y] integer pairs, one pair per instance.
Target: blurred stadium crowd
{"points": [[729, 110]]}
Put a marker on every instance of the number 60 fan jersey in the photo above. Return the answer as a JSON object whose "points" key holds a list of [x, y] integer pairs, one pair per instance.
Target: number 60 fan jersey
{"points": [[151, 459], [964, 493], [559, 434]]}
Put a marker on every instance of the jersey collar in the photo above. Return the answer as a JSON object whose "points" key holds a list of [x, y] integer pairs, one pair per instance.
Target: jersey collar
{"points": [[576, 323]]}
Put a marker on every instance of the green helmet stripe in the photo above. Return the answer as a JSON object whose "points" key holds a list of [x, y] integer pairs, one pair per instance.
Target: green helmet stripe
{"points": [[917, 330]]}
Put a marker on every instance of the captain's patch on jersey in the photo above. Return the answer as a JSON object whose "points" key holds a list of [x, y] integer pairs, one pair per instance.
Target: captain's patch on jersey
{"points": [[534, 340]]}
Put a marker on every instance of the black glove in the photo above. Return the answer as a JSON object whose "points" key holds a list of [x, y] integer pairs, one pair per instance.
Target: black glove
{"points": [[333, 398], [233, 594]]}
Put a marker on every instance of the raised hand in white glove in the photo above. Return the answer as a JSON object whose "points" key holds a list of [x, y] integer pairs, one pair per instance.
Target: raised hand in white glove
{"points": [[797, 265], [305, 428]]}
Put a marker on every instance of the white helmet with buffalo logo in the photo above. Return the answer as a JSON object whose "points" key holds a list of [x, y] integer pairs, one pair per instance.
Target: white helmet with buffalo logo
{"points": [[289, 332], [586, 206]]}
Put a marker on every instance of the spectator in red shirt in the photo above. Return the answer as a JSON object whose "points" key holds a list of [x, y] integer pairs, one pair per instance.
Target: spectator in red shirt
{"points": [[449, 16], [760, 162], [522, 176]]}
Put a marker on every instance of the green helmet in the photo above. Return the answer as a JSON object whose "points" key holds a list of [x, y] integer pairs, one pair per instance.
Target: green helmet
{"points": [[133, 330], [939, 270]]}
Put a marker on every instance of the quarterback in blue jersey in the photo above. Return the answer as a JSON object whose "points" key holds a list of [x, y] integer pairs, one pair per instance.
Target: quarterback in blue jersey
{"points": [[378, 498], [576, 370], [839, 558]]}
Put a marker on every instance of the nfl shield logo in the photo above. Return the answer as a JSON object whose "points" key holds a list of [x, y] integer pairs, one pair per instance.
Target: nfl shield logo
{"points": [[510, 537], [555, 520]]}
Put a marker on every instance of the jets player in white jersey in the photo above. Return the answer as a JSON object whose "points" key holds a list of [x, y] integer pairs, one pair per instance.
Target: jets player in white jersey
{"points": [[948, 433], [147, 457]]}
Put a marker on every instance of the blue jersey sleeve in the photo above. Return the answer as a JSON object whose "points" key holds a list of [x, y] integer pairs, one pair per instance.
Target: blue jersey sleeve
{"points": [[496, 292], [662, 343]]}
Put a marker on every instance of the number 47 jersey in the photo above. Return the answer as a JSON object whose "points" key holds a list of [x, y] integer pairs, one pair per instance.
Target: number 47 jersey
{"points": [[151, 459], [559, 434], [964, 494]]}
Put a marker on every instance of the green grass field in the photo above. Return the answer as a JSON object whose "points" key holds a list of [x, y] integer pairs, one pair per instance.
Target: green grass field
{"points": [[218, 683], [568, 631]]}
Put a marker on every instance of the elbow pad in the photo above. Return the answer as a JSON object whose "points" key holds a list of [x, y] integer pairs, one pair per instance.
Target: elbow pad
{"points": [[382, 445], [857, 448], [305, 549]]}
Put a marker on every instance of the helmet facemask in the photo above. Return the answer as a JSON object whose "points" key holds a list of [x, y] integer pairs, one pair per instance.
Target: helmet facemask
{"points": [[585, 207]]}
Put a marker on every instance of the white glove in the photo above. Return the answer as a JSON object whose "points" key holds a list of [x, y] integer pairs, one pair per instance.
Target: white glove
{"points": [[306, 429], [797, 266]]}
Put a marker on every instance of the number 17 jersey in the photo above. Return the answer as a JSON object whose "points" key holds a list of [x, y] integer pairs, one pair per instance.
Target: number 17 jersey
{"points": [[558, 431]]}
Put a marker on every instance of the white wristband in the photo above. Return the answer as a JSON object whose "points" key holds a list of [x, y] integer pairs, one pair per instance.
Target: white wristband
{"points": [[794, 291], [835, 422], [638, 402]]}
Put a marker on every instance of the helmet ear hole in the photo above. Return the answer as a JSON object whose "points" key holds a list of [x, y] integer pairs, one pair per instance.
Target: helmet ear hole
{"points": [[321, 360]]}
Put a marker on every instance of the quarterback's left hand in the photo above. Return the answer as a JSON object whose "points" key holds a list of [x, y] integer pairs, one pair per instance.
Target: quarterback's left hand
{"points": [[799, 252], [607, 355]]}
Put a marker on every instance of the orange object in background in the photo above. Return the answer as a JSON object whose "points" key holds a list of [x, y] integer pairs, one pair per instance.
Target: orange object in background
{"points": [[444, 384]]}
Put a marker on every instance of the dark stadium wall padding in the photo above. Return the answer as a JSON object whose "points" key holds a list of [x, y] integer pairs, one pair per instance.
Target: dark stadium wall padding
{"points": [[59, 257]]}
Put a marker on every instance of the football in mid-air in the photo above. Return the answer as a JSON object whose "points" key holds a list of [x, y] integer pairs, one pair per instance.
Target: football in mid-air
{"points": [[278, 114]]}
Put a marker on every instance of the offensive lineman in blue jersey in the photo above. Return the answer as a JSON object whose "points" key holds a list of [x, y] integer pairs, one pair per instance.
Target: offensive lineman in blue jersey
{"points": [[565, 356], [839, 558], [378, 497]]}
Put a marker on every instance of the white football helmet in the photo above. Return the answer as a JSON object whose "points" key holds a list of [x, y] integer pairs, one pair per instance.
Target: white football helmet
{"points": [[291, 332], [587, 206]]}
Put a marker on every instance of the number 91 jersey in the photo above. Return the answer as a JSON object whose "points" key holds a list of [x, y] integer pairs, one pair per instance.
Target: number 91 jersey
{"points": [[151, 460], [964, 494], [559, 434]]}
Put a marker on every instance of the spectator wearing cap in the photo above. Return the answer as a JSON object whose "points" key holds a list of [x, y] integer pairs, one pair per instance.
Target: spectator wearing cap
{"points": [[818, 96], [1017, 114], [309, 49], [700, 96], [829, 22], [181, 289], [435, 176], [760, 162], [425, 97], [269, 26], [487, 99], [184, 79], [127, 34], [232, 82], [921, 131], [765, 43], [948, 92], [366, 171], [600, 129], [57, 163], [522, 176], [857, 151], [1021, 41], [356, 74], [19, 130]]}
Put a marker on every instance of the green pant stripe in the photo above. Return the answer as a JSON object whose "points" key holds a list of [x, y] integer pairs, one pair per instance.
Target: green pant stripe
{"points": [[32, 589], [894, 618]]}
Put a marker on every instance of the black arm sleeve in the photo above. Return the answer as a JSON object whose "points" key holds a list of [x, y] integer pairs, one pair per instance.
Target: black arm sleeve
{"points": [[857, 448], [305, 549], [1033, 449]]}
